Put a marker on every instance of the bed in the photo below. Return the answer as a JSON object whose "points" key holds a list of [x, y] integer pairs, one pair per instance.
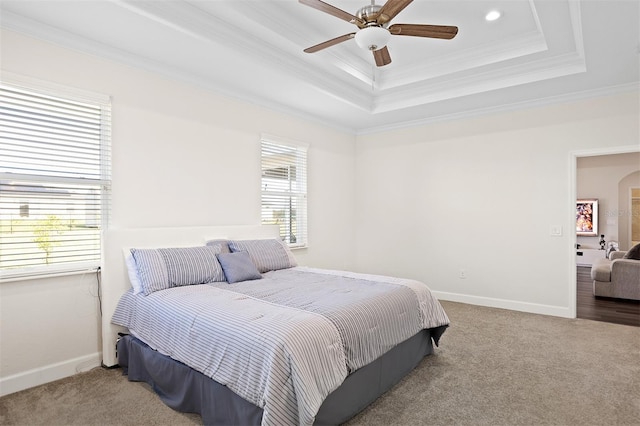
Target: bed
{"points": [[284, 344]]}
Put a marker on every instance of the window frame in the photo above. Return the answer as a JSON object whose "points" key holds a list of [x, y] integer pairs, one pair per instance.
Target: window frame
{"points": [[102, 170], [300, 193]]}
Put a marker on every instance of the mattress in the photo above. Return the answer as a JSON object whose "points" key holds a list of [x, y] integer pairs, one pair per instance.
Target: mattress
{"points": [[287, 341]]}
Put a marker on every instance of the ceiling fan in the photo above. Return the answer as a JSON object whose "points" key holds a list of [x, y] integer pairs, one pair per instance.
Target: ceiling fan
{"points": [[374, 29]]}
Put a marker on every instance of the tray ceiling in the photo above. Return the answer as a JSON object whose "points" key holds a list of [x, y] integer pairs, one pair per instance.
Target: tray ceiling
{"points": [[539, 51]]}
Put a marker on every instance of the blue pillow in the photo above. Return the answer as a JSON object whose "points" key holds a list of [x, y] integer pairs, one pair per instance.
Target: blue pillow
{"points": [[238, 267]]}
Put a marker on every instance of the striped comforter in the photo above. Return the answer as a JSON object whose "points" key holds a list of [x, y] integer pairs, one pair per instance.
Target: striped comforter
{"points": [[284, 342]]}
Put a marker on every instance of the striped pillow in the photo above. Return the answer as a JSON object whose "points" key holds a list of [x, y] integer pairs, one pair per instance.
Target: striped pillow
{"points": [[224, 246], [267, 255], [164, 268], [192, 265], [152, 270]]}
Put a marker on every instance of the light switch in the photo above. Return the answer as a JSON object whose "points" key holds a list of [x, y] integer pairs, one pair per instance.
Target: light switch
{"points": [[556, 231]]}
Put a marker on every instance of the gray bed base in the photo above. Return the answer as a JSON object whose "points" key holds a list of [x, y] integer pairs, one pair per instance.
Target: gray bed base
{"points": [[186, 390]]}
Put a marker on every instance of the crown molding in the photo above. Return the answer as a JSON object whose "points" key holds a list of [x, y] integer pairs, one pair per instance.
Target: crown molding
{"points": [[197, 26], [468, 59], [212, 29], [508, 107], [478, 82], [48, 34], [529, 71]]}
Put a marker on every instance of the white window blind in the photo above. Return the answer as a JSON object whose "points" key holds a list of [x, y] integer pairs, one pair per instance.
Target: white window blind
{"points": [[284, 189], [55, 179]]}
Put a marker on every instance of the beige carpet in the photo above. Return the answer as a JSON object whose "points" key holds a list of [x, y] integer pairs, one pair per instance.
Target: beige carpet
{"points": [[494, 367]]}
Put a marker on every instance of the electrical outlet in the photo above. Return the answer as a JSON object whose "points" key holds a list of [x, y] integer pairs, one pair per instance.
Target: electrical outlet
{"points": [[463, 274]]}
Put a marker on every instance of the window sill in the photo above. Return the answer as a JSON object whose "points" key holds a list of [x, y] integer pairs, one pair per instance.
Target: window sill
{"points": [[45, 275]]}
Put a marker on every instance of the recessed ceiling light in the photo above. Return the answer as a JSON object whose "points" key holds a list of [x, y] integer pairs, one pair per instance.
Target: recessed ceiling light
{"points": [[492, 15]]}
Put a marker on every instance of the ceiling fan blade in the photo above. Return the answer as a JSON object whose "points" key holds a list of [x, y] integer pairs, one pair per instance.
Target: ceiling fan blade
{"points": [[329, 43], [382, 56], [390, 9], [431, 31], [332, 10]]}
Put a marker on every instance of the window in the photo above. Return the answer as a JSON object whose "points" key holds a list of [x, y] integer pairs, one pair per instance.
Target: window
{"points": [[54, 178], [284, 189]]}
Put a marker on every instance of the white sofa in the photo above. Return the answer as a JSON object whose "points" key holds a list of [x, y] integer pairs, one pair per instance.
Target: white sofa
{"points": [[617, 277]]}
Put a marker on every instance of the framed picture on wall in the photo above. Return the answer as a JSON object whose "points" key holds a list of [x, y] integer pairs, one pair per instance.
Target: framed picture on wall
{"points": [[587, 217]]}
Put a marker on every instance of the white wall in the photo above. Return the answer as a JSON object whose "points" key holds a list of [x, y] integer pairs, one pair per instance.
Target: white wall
{"points": [[49, 329], [182, 156], [600, 177], [481, 195]]}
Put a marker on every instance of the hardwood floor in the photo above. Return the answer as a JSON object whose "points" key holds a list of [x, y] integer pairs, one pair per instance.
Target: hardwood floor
{"points": [[606, 309]]}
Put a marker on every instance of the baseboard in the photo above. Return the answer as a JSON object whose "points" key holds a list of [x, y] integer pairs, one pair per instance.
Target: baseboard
{"points": [[48, 373], [534, 308]]}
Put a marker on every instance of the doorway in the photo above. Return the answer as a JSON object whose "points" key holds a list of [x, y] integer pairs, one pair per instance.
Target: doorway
{"points": [[613, 177]]}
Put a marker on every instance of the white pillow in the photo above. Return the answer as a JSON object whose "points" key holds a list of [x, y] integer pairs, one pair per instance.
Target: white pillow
{"points": [[132, 270]]}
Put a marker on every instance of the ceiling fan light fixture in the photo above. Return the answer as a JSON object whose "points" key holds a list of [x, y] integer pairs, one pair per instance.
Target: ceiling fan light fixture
{"points": [[372, 38]]}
